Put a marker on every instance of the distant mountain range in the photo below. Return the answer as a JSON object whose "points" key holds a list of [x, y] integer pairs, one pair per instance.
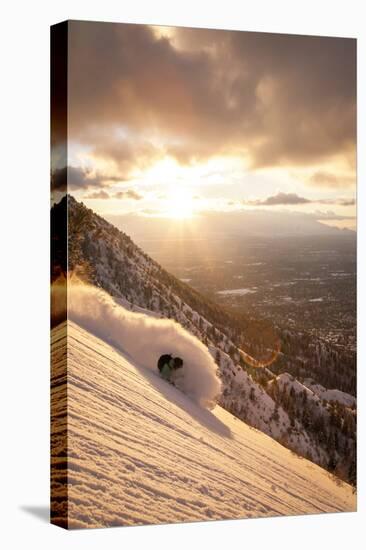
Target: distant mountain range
{"points": [[295, 409], [235, 224]]}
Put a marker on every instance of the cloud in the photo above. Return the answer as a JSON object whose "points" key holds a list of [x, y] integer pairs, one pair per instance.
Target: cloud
{"points": [[329, 215], [126, 151], [121, 195], [294, 199], [270, 98], [346, 202], [129, 194], [98, 195], [279, 199], [74, 178], [59, 179], [339, 202], [327, 179]]}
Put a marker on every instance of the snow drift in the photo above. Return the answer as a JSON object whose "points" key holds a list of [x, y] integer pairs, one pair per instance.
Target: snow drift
{"points": [[144, 338]]}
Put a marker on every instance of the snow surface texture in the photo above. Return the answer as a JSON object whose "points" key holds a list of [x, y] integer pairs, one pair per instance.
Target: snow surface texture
{"points": [[139, 451], [145, 339]]}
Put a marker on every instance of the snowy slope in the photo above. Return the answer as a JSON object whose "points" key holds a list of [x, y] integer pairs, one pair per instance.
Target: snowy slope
{"points": [[107, 258], [331, 395], [315, 392], [140, 451]]}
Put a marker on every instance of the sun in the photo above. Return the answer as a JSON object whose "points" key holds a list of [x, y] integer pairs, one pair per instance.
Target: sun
{"points": [[179, 205]]}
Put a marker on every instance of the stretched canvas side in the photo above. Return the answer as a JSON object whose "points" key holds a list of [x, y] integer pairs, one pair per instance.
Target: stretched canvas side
{"points": [[59, 245]]}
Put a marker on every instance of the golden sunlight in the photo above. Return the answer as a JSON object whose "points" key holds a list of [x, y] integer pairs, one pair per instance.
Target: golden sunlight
{"points": [[179, 205]]}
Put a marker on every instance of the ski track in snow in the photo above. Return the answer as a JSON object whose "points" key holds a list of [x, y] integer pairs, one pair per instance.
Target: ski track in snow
{"points": [[141, 452]]}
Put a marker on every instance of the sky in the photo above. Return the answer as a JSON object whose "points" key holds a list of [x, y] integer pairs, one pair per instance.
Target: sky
{"points": [[174, 122]]}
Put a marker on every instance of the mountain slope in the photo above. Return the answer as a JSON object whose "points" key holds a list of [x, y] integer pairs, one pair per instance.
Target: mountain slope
{"points": [[108, 258], [140, 451]]}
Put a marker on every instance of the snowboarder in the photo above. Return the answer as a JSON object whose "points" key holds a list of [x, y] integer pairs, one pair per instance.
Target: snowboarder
{"points": [[167, 365]]}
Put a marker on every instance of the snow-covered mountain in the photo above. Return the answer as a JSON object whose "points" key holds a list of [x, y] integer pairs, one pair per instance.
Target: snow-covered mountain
{"points": [[140, 451], [320, 428]]}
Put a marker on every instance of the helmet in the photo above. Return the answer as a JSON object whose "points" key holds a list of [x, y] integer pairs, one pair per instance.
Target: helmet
{"points": [[178, 362]]}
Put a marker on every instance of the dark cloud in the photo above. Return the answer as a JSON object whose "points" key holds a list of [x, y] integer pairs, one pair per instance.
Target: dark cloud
{"points": [[279, 199], [76, 177], [278, 99], [306, 89], [126, 152], [59, 179], [81, 178]]}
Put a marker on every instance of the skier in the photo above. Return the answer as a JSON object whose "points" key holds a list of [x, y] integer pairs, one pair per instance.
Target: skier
{"points": [[167, 365]]}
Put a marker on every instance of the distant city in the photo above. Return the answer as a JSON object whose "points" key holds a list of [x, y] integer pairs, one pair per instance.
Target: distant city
{"points": [[302, 283]]}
